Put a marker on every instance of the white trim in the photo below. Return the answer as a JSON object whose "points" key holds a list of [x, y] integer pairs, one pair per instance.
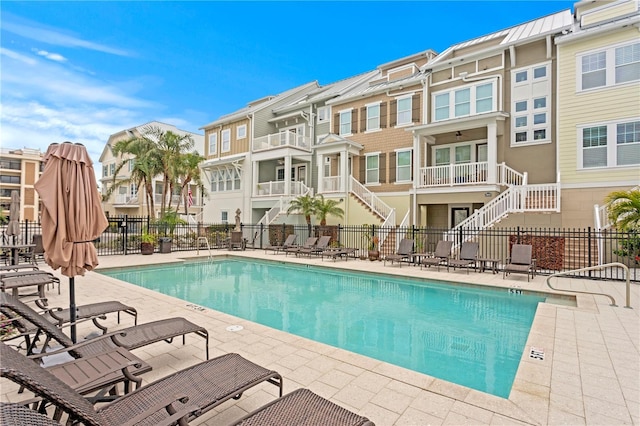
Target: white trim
{"points": [[228, 132], [238, 136], [609, 69], [611, 146], [327, 112], [215, 144]]}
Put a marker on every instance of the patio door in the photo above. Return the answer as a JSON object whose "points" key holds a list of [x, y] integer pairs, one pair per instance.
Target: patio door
{"points": [[458, 214]]}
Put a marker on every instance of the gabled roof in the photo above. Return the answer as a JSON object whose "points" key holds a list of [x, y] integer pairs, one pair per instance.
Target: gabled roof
{"points": [[368, 89], [519, 34], [254, 106]]}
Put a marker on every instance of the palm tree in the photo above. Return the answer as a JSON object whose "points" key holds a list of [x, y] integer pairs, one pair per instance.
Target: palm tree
{"points": [[189, 171], [624, 209], [324, 208], [304, 204]]}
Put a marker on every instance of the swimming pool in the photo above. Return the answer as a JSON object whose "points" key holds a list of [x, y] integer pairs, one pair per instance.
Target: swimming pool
{"points": [[471, 336]]}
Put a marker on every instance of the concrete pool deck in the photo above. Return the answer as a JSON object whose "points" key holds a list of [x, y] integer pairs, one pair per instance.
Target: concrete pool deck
{"points": [[590, 373]]}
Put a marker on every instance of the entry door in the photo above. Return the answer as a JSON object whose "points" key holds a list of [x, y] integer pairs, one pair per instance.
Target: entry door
{"points": [[458, 214]]}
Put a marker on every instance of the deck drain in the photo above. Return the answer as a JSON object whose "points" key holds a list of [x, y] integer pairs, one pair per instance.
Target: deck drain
{"points": [[537, 353], [234, 328]]}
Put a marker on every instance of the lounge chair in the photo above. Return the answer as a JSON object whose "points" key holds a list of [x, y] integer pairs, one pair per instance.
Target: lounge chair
{"points": [[236, 242], [468, 257], [308, 244], [339, 252], [302, 407], [177, 398], [440, 256], [317, 249], [521, 261], [289, 242], [136, 336], [15, 281], [405, 251], [252, 243]]}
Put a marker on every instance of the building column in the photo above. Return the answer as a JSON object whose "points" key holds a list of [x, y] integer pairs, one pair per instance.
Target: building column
{"points": [[344, 170], [255, 179], [492, 152], [287, 175], [320, 162]]}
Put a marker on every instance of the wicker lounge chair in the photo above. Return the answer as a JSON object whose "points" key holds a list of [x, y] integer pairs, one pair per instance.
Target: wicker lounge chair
{"points": [[339, 252], [184, 395], [14, 281], [521, 261], [136, 337], [289, 242], [404, 253], [317, 249], [236, 242], [17, 414], [440, 256], [302, 408], [308, 244], [468, 257]]}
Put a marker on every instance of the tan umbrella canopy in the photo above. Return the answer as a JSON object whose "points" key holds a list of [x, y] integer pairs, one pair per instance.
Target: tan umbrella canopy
{"points": [[72, 216], [13, 228]]}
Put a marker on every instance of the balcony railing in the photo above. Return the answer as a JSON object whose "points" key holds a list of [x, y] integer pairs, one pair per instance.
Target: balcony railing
{"points": [[331, 184], [279, 140], [126, 199], [276, 188], [468, 174]]}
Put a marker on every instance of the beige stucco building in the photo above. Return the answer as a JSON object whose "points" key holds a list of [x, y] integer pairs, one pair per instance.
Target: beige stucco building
{"points": [[19, 170]]}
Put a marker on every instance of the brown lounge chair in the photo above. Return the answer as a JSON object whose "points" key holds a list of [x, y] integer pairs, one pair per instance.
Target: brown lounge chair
{"points": [[289, 242], [317, 249], [520, 261], [308, 244], [339, 252], [177, 398], [14, 281], [442, 253], [302, 408], [236, 242], [136, 336], [405, 251], [468, 257]]}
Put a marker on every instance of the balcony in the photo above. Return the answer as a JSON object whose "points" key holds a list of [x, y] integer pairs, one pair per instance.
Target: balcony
{"points": [[281, 140], [126, 200], [276, 189], [467, 174]]}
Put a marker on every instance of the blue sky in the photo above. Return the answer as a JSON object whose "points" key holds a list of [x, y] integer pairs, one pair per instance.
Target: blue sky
{"points": [[81, 71]]}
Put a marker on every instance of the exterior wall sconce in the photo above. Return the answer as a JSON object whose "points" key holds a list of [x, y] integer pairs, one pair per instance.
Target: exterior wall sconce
{"points": [[458, 135]]}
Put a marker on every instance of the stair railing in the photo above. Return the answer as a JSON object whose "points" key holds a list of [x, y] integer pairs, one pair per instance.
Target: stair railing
{"points": [[372, 201]]}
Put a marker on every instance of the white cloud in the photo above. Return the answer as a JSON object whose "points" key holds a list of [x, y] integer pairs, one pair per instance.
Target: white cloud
{"points": [[53, 56], [53, 36], [17, 56]]}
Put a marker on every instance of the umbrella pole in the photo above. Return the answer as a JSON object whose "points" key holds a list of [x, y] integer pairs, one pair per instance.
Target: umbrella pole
{"points": [[72, 308]]}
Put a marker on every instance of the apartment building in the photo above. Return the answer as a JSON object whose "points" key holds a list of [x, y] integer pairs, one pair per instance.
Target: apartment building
{"points": [[598, 108], [19, 170], [129, 199]]}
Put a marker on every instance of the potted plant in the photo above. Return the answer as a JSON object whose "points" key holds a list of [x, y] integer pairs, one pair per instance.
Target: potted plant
{"points": [[374, 254], [147, 243]]}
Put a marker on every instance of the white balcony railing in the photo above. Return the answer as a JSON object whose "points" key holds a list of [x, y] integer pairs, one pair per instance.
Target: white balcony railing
{"points": [[126, 199], [276, 188], [279, 140], [331, 184], [468, 174], [157, 198]]}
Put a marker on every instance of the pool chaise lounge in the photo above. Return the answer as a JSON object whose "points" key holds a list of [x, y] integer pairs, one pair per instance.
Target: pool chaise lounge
{"points": [[468, 257], [289, 242], [339, 252], [303, 408], [185, 395], [14, 281], [316, 249], [136, 336], [440, 256], [404, 253], [308, 244]]}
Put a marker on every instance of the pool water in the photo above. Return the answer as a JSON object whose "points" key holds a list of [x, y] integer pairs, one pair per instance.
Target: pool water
{"points": [[466, 335]]}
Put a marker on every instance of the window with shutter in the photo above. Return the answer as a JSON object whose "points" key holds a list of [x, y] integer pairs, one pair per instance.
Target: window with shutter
{"points": [[383, 115], [415, 103], [363, 169], [363, 118], [392, 167], [404, 111], [393, 106], [354, 121], [383, 168], [336, 124]]}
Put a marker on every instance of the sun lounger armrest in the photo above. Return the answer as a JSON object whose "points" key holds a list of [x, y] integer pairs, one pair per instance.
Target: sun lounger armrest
{"points": [[167, 404], [78, 345], [41, 302]]}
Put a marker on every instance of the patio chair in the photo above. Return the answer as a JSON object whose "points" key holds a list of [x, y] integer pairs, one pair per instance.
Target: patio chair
{"points": [[440, 256], [289, 242], [405, 251], [135, 337], [252, 243], [520, 261], [468, 257], [15, 281], [339, 252], [317, 249], [174, 399], [302, 407], [309, 243], [236, 242]]}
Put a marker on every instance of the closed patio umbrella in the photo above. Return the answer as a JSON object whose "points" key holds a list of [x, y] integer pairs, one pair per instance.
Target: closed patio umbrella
{"points": [[13, 228], [72, 216]]}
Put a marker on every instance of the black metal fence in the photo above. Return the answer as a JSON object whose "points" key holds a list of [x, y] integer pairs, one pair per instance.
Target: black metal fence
{"points": [[554, 249]]}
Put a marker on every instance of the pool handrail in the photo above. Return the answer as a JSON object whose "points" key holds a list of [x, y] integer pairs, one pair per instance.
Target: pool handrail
{"points": [[591, 268]]}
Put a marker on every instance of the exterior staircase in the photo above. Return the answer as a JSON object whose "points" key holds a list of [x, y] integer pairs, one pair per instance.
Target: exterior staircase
{"points": [[377, 207]]}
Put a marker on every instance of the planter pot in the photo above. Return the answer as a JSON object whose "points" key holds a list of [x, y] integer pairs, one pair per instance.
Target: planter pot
{"points": [[146, 248], [374, 255]]}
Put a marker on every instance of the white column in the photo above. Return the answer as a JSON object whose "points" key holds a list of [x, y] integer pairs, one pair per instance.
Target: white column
{"points": [[343, 171], [255, 178], [492, 152], [287, 175], [320, 163]]}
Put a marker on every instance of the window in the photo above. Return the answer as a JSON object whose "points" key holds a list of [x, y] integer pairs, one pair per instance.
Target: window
{"points": [[610, 145], [225, 180], [373, 168], [224, 216], [373, 117], [323, 114], [403, 166], [521, 76], [241, 132], [345, 122], [226, 140], [463, 154], [112, 169], [105, 170], [465, 101], [443, 156], [530, 113], [131, 163], [404, 111], [614, 65], [9, 179], [213, 143]]}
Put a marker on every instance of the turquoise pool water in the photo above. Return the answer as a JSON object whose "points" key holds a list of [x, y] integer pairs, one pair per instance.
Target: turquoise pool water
{"points": [[471, 336]]}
